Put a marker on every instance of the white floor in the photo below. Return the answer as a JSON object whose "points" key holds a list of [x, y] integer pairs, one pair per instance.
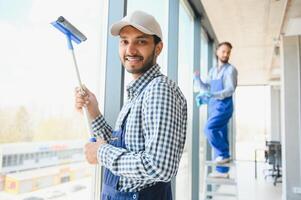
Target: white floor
{"points": [[249, 188]]}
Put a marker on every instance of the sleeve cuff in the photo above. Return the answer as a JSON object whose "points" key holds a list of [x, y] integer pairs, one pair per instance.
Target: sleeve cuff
{"points": [[102, 155]]}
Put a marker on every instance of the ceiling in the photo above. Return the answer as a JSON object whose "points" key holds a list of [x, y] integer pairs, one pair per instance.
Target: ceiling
{"points": [[293, 15], [253, 27]]}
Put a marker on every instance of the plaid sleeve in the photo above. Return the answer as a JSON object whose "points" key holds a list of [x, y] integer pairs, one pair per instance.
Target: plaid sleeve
{"points": [[164, 126], [101, 128]]}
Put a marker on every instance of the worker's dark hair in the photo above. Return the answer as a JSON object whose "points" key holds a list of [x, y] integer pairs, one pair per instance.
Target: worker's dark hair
{"points": [[224, 43], [156, 39]]}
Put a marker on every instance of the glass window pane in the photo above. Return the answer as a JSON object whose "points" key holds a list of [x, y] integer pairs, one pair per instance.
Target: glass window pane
{"points": [[40, 129], [204, 53], [185, 81], [203, 109]]}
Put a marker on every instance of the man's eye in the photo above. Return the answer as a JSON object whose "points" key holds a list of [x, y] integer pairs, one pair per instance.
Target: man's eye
{"points": [[123, 42], [141, 42]]}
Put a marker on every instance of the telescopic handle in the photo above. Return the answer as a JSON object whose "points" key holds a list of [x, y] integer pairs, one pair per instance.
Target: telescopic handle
{"points": [[85, 110]]}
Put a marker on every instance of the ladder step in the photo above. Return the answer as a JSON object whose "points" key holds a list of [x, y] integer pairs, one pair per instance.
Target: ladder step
{"points": [[221, 181], [211, 194], [213, 163]]}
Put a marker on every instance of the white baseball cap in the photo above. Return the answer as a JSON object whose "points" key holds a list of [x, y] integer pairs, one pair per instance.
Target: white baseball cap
{"points": [[142, 21]]}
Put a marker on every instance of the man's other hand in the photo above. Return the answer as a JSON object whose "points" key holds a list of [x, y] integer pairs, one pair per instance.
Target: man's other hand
{"points": [[91, 150]]}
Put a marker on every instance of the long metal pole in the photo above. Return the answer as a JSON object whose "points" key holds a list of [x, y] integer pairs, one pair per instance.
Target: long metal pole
{"points": [[94, 193], [85, 110]]}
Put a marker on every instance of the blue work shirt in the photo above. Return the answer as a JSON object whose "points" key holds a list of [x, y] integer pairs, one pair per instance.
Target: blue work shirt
{"points": [[229, 75]]}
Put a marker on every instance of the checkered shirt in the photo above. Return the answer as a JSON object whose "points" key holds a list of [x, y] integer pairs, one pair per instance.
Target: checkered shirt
{"points": [[155, 133]]}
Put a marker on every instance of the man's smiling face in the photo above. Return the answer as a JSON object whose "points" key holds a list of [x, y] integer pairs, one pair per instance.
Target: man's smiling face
{"points": [[137, 50]]}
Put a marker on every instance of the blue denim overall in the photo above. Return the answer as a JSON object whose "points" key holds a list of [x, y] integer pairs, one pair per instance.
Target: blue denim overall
{"points": [[216, 130], [160, 191]]}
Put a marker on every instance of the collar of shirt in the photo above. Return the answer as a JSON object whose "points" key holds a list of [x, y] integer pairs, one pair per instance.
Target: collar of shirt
{"points": [[136, 86], [224, 65], [217, 74]]}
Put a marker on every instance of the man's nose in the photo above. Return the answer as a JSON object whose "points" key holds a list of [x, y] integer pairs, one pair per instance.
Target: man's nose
{"points": [[225, 55], [131, 49]]}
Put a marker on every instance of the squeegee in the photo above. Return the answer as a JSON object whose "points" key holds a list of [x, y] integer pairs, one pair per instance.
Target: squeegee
{"points": [[73, 34]]}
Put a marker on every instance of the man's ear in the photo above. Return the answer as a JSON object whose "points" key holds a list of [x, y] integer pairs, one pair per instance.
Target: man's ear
{"points": [[158, 48]]}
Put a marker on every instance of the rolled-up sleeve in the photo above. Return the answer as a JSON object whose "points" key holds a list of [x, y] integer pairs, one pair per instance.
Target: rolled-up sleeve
{"points": [[164, 118], [101, 128]]}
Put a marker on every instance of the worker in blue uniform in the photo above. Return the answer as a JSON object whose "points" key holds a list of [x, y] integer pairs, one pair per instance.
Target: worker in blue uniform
{"points": [[217, 91], [141, 155]]}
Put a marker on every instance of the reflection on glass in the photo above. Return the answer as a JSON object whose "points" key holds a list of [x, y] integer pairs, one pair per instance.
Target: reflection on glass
{"points": [[204, 54], [185, 81], [41, 136], [203, 109]]}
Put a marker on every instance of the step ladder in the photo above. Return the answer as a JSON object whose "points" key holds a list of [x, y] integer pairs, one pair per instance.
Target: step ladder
{"points": [[215, 183]]}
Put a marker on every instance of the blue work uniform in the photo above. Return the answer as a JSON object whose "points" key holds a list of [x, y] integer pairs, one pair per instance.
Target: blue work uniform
{"points": [[220, 112], [159, 191]]}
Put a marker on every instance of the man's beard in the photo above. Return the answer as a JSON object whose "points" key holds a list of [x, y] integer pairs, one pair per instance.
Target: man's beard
{"points": [[224, 60], [148, 64]]}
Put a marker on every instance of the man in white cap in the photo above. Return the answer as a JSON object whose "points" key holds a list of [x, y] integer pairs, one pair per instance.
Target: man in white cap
{"points": [[142, 154]]}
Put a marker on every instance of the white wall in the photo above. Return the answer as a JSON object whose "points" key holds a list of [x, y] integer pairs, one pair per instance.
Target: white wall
{"points": [[290, 107]]}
